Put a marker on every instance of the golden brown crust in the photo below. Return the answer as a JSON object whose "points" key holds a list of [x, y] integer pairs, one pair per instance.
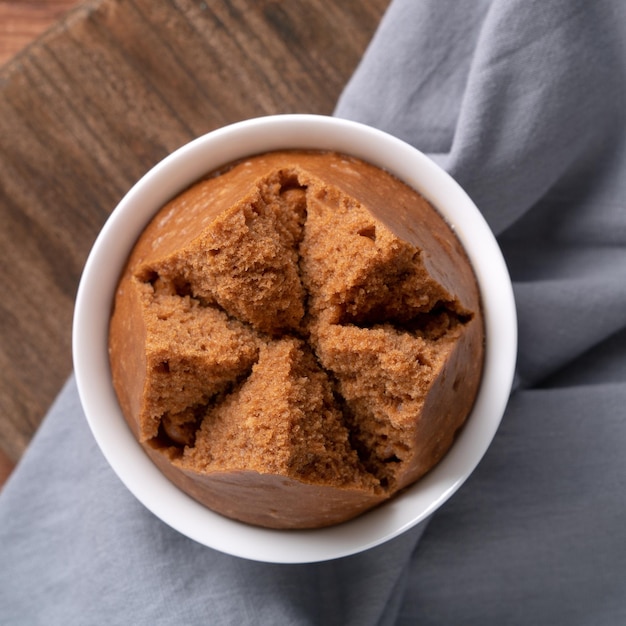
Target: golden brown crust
{"points": [[296, 339], [270, 500]]}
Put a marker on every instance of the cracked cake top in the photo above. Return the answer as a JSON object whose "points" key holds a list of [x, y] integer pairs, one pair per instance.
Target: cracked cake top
{"points": [[296, 338]]}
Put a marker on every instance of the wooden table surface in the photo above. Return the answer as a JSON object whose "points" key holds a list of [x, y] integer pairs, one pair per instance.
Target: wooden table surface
{"points": [[99, 98], [20, 24], [22, 21]]}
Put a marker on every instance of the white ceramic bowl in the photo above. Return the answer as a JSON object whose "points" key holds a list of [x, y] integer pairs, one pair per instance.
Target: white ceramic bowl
{"points": [[93, 307]]}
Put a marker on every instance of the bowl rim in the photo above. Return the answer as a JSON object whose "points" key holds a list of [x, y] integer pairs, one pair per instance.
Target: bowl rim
{"points": [[99, 280]]}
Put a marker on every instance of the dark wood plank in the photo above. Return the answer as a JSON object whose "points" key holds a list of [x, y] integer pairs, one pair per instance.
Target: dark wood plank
{"points": [[101, 98], [6, 468]]}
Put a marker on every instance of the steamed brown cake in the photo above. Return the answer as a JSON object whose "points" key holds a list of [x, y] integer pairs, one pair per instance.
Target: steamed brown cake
{"points": [[296, 338]]}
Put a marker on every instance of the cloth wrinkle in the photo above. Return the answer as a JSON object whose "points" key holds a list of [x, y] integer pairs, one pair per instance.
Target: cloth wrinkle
{"points": [[506, 129]]}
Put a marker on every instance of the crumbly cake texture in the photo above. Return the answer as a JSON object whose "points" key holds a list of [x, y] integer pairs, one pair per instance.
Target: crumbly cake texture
{"points": [[296, 338]]}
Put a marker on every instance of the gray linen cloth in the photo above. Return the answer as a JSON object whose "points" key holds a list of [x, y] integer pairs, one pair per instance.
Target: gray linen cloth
{"points": [[523, 101]]}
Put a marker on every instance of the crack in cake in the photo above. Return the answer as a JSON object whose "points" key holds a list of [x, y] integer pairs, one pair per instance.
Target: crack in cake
{"points": [[296, 338]]}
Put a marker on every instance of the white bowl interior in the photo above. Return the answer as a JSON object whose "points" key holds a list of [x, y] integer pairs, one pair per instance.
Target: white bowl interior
{"points": [[93, 307]]}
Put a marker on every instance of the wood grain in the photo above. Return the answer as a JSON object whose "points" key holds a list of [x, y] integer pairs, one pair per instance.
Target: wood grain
{"points": [[22, 21], [6, 468], [97, 101]]}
